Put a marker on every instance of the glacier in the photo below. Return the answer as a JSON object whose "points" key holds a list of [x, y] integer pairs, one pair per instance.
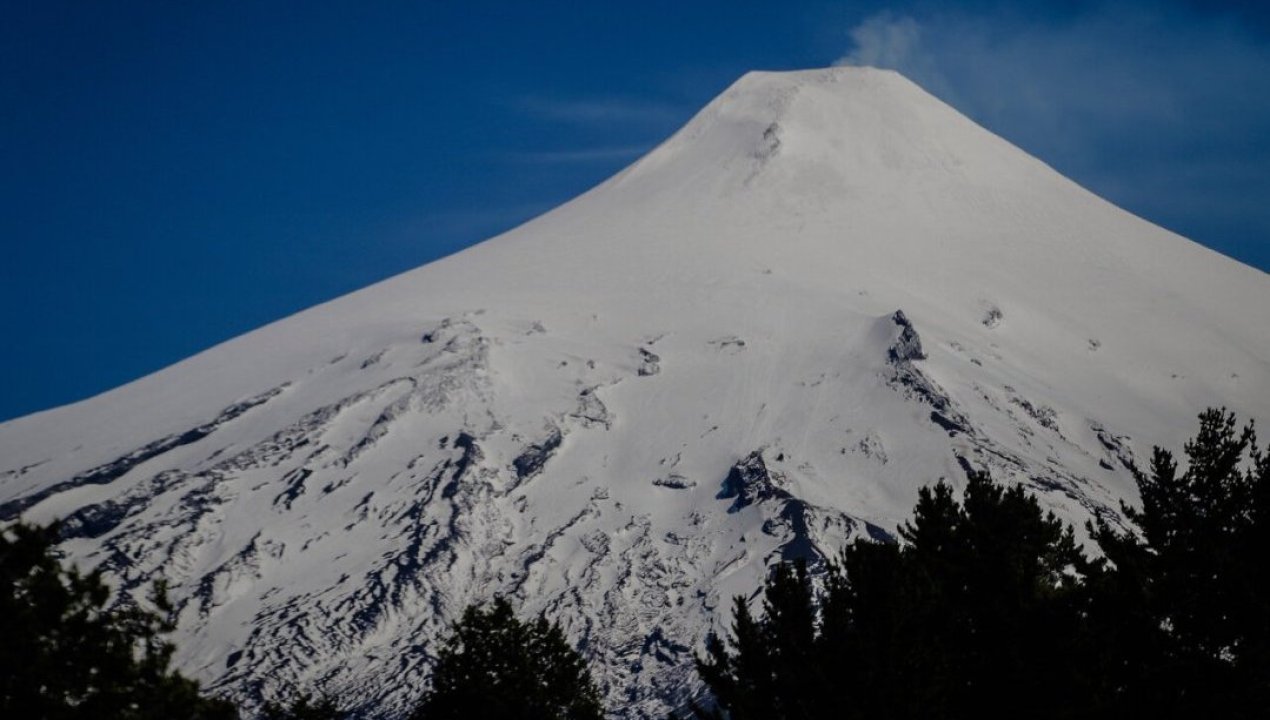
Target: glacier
{"points": [[755, 343]]}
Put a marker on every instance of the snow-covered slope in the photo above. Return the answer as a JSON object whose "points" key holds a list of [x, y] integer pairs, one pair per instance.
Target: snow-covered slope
{"points": [[825, 291]]}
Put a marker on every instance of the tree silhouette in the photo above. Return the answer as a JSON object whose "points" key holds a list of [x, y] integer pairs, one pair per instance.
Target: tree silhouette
{"points": [[64, 654], [1186, 588], [979, 607], [990, 604], [303, 707], [495, 666]]}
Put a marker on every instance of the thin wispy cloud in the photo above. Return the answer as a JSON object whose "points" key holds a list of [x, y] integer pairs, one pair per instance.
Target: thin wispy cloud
{"points": [[1140, 102], [583, 155], [454, 229], [600, 110], [626, 123]]}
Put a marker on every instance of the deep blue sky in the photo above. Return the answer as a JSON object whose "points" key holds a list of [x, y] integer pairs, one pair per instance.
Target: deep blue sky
{"points": [[174, 174]]}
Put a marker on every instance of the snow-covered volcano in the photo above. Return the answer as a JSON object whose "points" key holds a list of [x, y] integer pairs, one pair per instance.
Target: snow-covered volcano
{"points": [[759, 340]]}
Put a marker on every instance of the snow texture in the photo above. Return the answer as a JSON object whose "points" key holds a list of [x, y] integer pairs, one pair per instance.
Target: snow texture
{"points": [[622, 412]]}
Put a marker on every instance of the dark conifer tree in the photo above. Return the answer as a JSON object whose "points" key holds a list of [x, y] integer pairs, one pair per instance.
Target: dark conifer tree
{"points": [[771, 668], [739, 671], [66, 655], [497, 667], [1185, 588], [978, 608], [988, 606], [303, 707]]}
